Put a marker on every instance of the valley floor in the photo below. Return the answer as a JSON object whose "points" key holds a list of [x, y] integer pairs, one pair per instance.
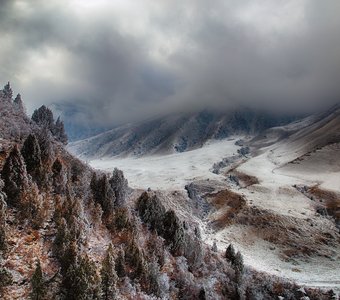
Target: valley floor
{"points": [[288, 213]]}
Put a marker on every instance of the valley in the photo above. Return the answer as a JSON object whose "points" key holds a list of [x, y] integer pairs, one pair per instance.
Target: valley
{"points": [[278, 230]]}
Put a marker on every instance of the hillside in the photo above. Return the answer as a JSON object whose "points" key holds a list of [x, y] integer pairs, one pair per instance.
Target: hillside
{"points": [[278, 204], [174, 133]]}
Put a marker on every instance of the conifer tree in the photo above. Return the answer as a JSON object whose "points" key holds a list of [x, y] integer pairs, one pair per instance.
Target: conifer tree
{"points": [[32, 155], [81, 280], [43, 116], [18, 103], [120, 264], [173, 232], [238, 266], [14, 175], [38, 284], [230, 254], [153, 277], [58, 177], [103, 194], [46, 148], [59, 131], [151, 211], [7, 91], [108, 276], [119, 186]]}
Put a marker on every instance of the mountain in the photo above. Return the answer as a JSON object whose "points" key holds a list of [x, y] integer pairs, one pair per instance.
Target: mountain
{"points": [[274, 196], [175, 133], [68, 231]]}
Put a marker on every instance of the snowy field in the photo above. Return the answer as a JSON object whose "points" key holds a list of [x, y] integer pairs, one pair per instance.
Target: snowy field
{"points": [[171, 171], [275, 192]]}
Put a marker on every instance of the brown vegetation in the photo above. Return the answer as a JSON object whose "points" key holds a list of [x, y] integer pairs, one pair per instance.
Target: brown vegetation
{"points": [[330, 200], [227, 204], [244, 179]]}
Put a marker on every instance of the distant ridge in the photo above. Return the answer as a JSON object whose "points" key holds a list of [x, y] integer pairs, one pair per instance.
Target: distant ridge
{"points": [[175, 133]]}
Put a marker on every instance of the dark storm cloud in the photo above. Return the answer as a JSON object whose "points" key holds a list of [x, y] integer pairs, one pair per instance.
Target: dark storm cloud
{"points": [[117, 61]]}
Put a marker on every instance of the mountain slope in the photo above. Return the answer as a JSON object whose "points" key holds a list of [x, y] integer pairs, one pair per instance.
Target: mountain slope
{"points": [[174, 133], [70, 232]]}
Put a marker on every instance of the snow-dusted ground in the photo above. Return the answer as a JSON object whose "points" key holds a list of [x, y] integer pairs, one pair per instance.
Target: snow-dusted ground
{"points": [[171, 171], [275, 192]]}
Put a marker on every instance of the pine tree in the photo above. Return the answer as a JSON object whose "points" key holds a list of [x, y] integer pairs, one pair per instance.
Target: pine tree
{"points": [[153, 277], [19, 105], [103, 194], [230, 254], [14, 175], [38, 284], [151, 211], [120, 264], [7, 91], [173, 232], [58, 177], [32, 155], [46, 148], [119, 186], [81, 280], [238, 266], [43, 116], [59, 131], [214, 247], [108, 276]]}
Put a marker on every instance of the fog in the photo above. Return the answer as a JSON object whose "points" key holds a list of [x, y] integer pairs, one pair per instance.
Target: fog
{"points": [[101, 63]]}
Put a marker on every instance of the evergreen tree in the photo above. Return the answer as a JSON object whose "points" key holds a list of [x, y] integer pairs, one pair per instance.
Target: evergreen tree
{"points": [[43, 116], [230, 254], [46, 148], [32, 156], [151, 211], [7, 91], [59, 131], [14, 175], [173, 232], [38, 284], [108, 276], [103, 194], [135, 258], [238, 266], [153, 277], [119, 186], [201, 295], [18, 103], [81, 280], [58, 177], [120, 264]]}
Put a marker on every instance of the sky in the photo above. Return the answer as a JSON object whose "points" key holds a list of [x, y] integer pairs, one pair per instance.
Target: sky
{"points": [[107, 62]]}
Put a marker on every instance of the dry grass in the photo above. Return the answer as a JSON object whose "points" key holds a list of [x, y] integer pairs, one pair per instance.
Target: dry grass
{"points": [[245, 180], [296, 237], [331, 200], [228, 204]]}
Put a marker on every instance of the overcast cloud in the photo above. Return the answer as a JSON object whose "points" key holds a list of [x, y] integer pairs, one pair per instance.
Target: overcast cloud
{"points": [[116, 61]]}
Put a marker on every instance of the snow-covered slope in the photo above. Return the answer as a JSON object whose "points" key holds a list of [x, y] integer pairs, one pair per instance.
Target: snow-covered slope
{"points": [[173, 133], [279, 228], [171, 171]]}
